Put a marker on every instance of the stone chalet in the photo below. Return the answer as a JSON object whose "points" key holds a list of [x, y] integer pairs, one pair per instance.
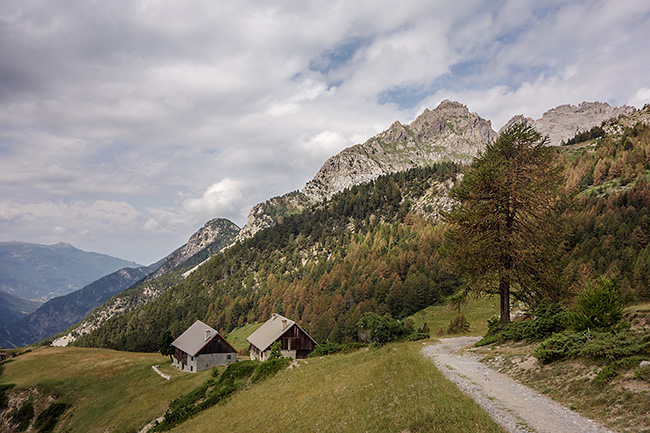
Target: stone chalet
{"points": [[201, 347], [295, 342]]}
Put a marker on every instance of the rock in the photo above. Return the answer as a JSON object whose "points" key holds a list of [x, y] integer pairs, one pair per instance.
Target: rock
{"points": [[644, 364], [448, 133], [565, 121]]}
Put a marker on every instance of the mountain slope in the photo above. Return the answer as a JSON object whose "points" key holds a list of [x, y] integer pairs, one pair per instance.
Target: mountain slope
{"points": [[42, 272], [59, 313], [13, 309], [369, 248], [215, 235]]}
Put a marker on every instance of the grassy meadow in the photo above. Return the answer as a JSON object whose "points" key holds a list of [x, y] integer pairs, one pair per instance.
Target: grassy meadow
{"points": [[477, 312], [391, 389], [108, 390]]}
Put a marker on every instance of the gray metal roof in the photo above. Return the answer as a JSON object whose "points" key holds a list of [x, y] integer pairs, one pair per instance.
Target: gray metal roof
{"points": [[270, 331], [195, 338]]}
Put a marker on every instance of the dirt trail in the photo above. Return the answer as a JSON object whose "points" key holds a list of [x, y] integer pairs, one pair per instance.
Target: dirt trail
{"points": [[515, 407]]}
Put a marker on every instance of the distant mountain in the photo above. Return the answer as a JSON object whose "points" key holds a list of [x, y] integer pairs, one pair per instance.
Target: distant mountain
{"points": [[59, 313], [12, 308], [215, 235], [42, 272], [450, 132], [565, 121]]}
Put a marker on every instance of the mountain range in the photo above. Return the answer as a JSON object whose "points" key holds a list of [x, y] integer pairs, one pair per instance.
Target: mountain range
{"points": [[449, 132]]}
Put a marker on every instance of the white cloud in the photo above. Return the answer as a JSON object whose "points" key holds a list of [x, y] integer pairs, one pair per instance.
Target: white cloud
{"points": [[163, 114], [640, 98]]}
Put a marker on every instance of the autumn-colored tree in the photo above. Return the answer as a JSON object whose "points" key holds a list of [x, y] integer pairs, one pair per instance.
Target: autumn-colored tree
{"points": [[501, 236]]}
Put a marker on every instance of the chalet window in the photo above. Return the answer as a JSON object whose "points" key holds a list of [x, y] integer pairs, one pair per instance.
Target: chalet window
{"points": [[229, 356]]}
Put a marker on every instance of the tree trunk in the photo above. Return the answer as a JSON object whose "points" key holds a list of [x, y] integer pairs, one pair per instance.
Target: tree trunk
{"points": [[504, 294]]}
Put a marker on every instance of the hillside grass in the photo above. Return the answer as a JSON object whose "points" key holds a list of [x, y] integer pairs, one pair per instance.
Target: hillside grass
{"points": [[477, 312], [391, 389], [238, 336], [108, 390]]}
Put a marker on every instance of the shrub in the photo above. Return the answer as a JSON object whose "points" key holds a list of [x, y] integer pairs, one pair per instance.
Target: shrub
{"points": [[269, 369], [331, 348], [549, 319], [276, 351], [599, 307], [4, 400], [459, 324], [559, 346], [24, 415], [46, 420]]}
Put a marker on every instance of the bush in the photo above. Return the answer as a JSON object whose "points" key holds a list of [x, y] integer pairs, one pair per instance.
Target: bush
{"points": [[331, 348], [458, 325], [4, 400], [46, 420], [379, 330], [559, 346], [269, 369], [549, 319], [24, 415], [599, 307]]}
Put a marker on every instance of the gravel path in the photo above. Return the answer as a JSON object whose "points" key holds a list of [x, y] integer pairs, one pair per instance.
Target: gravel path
{"points": [[515, 407]]}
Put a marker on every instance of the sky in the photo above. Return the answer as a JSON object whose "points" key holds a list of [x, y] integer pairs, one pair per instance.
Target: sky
{"points": [[125, 125]]}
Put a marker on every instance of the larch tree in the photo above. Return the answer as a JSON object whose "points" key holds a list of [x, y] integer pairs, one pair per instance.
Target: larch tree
{"points": [[504, 235]]}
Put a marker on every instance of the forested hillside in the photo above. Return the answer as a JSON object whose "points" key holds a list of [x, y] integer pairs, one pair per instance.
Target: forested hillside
{"points": [[375, 248], [363, 250]]}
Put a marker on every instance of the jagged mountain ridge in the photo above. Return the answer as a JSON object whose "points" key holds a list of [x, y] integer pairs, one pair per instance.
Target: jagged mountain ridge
{"points": [[565, 121], [448, 132]]}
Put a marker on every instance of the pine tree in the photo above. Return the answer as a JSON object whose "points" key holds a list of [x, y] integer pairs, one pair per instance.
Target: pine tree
{"points": [[503, 234]]}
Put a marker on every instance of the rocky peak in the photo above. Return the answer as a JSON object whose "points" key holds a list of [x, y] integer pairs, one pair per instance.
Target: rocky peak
{"points": [[211, 232], [565, 121], [448, 132]]}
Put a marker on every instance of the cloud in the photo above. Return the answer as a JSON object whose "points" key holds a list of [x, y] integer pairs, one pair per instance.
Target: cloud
{"points": [[164, 114]]}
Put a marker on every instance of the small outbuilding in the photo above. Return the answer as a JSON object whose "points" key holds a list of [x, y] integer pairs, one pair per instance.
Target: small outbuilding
{"points": [[201, 347], [295, 342]]}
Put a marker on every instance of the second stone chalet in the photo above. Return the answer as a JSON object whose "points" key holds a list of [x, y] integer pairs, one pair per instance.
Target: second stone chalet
{"points": [[201, 347], [295, 342]]}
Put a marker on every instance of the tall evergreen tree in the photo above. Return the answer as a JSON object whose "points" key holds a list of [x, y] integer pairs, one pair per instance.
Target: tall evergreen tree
{"points": [[503, 235]]}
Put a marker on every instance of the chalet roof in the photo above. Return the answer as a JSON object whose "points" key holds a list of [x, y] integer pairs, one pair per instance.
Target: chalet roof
{"points": [[271, 330], [195, 338]]}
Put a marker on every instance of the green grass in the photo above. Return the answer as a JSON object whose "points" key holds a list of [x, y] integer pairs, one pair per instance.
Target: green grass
{"points": [[392, 389], [238, 336], [108, 390], [477, 313]]}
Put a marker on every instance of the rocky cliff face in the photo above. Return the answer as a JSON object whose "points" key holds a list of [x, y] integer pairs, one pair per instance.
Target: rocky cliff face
{"points": [[215, 235], [565, 121], [447, 133]]}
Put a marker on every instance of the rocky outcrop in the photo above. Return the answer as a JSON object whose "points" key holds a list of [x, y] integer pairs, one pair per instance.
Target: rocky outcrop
{"points": [[214, 235], [271, 212], [447, 133], [565, 121]]}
